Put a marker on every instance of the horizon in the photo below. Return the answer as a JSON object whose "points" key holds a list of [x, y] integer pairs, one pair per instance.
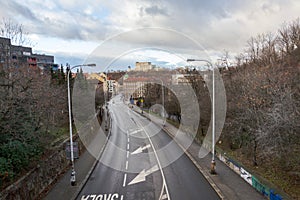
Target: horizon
{"points": [[72, 31]]}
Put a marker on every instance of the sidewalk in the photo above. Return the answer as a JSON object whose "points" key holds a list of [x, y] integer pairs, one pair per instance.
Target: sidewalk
{"points": [[226, 183], [63, 189]]}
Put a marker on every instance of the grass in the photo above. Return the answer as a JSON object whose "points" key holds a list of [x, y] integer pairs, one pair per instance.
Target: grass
{"points": [[58, 135], [270, 175]]}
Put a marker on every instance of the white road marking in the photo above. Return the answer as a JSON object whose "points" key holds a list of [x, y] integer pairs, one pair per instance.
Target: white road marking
{"points": [[109, 196], [135, 131], [164, 196], [128, 139], [140, 149], [126, 167], [127, 146], [142, 175], [160, 168], [124, 182], [127, 154]]}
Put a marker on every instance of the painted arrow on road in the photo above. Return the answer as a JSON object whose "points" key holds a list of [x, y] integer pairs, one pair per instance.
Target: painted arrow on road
{"points": [[141, 149], [142, 175], [135, 131]]}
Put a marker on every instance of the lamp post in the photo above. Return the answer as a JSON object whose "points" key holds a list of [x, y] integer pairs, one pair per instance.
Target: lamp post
{"points": [[213, 163], [106, 100], [73, 178], [163, 97]]}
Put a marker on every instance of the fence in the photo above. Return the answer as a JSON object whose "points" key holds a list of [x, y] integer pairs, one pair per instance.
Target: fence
{"points": [[247, 176]]}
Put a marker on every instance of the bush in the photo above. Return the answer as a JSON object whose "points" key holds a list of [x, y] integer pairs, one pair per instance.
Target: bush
{"points": [[19, 154], [6, 170]]}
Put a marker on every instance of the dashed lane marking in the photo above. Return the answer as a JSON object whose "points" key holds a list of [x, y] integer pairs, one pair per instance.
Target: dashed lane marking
{"points": [[158, 161], [126, 164], [124, 182]]}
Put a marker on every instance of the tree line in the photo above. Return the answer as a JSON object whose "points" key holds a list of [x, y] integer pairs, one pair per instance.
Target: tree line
{"points": [[263, 110], [263, 92], [33, 113]]}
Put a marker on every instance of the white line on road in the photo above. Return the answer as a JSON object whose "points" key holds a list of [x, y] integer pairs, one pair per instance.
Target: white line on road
{"points": [[127, 154], [124, 182], [128, 146], [134, 131], [128, 139], [143, 174], [140, 149], [126, 167], [160, 168]]}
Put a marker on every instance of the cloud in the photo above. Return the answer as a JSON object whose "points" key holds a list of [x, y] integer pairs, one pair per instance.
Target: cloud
{"points": [[154, 10], [215, 24], [10, 8]]}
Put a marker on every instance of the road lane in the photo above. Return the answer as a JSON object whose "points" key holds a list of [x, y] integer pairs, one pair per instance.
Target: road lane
{"points": [[183, 179], [131, 168], [120, 168]]}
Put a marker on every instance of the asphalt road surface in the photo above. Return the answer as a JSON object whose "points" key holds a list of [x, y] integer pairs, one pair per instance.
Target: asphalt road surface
{"points": [[138, 164]]}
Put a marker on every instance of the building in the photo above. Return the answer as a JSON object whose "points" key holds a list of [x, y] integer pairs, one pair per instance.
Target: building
{"points": [[22, 56], [14, 55], [186, 79], [45, 62], [100, 79], [181, 79], [4, 51], [135, 86], [144, 66]]}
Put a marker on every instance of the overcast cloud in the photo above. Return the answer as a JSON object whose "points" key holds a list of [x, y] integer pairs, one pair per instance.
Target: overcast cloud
{"points": [[215, 24]]}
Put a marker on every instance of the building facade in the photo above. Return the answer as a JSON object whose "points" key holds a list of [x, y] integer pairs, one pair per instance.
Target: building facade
{"points": [[144, 66], [135, 87], [13, 55]]}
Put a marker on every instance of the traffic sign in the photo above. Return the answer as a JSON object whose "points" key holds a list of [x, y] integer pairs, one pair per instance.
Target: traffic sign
{"points": [[75, 150]]}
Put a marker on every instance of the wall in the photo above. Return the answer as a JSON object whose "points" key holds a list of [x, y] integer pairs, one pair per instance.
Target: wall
{"points": [[245, 174], [35, 181]]}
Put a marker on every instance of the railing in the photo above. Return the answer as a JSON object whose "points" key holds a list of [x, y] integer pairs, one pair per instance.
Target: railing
{"points": [[255, 181]]}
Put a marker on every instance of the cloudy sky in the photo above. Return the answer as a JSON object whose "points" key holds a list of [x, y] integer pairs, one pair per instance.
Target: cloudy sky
{"points": [[71, 30]]}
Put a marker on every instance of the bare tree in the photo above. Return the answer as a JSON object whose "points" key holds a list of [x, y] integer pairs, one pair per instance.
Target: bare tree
{"points": [[223, 62], [15, 32], [295, 33], [284, 40], [252, 49]]}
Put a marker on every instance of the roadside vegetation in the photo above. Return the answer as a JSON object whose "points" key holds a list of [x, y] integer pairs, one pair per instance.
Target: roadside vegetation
{"points": [[263, 111], [263, 106], [33, 116]]}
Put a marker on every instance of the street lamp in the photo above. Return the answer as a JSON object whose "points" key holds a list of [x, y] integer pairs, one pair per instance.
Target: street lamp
{"points": [[213, 163], [163, 98], [73, 178]]}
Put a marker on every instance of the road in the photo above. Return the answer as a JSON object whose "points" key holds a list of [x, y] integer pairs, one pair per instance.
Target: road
{"points": [[137, 164]]}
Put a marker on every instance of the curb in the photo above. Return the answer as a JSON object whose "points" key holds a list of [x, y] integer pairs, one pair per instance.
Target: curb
{"points": [[207, 177]]}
